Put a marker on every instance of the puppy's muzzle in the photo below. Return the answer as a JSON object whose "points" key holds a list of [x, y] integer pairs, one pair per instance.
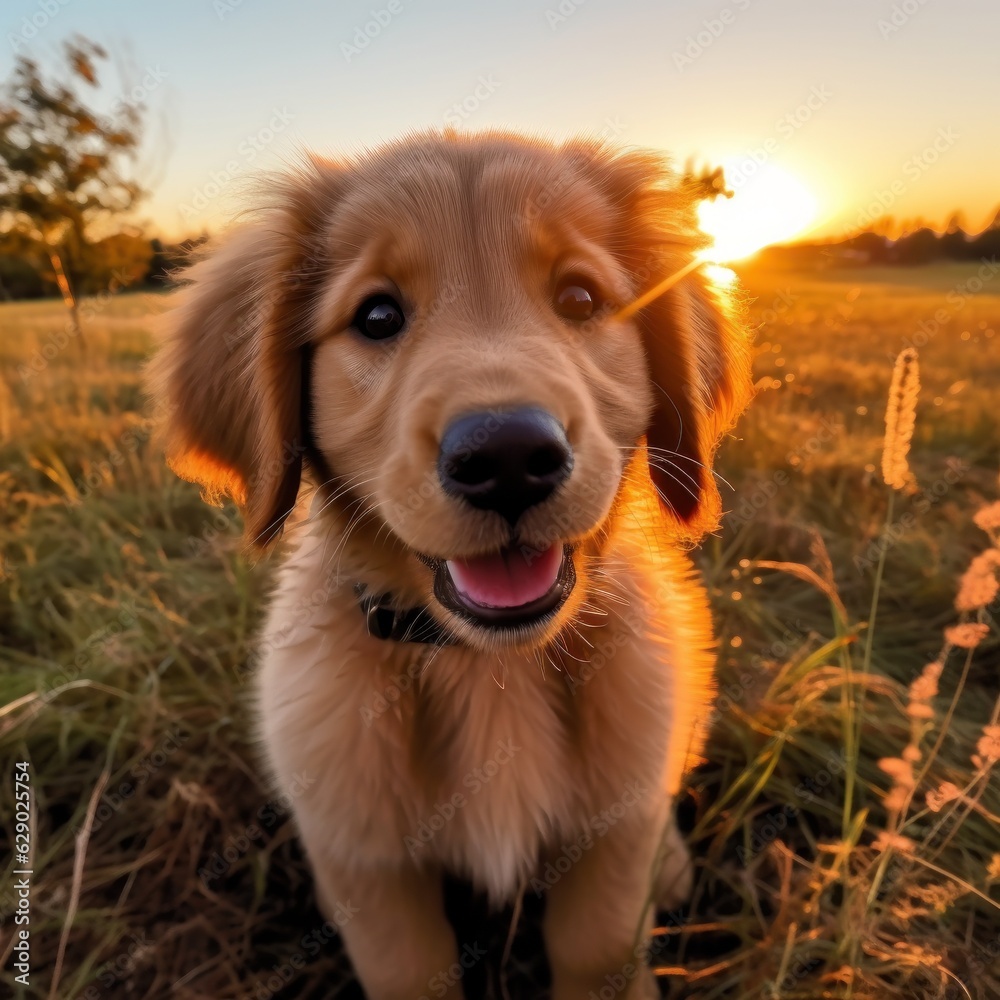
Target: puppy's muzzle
{"points": [[507, 461]]}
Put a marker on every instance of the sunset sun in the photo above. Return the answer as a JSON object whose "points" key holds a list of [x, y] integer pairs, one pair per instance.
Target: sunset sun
{"points": [[771, 207]]}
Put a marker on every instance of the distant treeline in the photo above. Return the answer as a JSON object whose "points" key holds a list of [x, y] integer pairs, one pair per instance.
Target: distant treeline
{"points": [[921, 245], [132, 261], [124, 261]]}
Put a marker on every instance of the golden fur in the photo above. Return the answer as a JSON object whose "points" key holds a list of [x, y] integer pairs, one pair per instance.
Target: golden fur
{"points": [[488, 757]]}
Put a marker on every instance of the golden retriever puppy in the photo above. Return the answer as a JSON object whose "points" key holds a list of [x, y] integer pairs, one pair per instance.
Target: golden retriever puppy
{"points": [[504, 377]]}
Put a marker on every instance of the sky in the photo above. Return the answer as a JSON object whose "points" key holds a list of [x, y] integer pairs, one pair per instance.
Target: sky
{"points": [[827, 116]]}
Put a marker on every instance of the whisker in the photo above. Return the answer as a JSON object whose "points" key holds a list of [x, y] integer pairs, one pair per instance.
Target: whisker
{"points": [[701, 465], [612, 597], [665, 500], [585, 641], [354, 523], [351, 484], [430, 659], [503, 673], [593, 609], [670, 470], [680, 419], [562, 649]]}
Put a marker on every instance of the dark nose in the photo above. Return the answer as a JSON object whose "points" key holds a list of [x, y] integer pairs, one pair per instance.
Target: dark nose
{"points": [[505, 461]]}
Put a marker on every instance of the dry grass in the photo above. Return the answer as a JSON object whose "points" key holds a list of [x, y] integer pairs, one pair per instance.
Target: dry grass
{"points": [[825, 869]]}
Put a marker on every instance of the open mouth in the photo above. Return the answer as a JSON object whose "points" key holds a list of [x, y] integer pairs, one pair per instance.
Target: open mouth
{"points": [[516, 586]]}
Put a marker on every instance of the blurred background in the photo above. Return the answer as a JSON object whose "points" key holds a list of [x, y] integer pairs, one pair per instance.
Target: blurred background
{"points": [[829, 123], [846, 820]]}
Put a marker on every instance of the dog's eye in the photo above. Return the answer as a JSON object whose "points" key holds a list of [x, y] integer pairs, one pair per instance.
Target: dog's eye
{"points": [[379, 318], [573, 300]]}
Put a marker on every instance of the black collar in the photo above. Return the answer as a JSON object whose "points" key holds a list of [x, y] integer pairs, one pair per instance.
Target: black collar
{"points": [[385, 621]]}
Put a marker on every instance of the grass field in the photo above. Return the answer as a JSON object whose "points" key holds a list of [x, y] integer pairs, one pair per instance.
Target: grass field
{"points": [[127, 613]]}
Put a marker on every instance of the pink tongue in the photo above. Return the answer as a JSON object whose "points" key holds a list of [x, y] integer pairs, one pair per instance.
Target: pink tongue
{"points": [[507, 579]]}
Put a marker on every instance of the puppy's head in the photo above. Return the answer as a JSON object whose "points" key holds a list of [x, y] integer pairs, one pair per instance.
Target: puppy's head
{"points": [[472, 343]]}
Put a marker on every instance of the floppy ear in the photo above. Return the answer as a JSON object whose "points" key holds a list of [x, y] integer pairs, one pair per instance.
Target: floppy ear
{"points": [[696, 337], [229, 374], [698, 348]]}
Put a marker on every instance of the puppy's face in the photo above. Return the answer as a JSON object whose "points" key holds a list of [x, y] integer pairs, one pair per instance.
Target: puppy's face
{"points": [[471, 382], [465, 326]]}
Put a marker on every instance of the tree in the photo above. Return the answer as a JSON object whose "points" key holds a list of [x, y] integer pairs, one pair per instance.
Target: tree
{"points": [[64, 166], [987, 243], [918, 247], [117, 261], [956, 223], [953, 243], [19, 273]]}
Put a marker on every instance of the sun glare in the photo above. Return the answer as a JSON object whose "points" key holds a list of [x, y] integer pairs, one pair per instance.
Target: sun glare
{"points": [[771, 207]]}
